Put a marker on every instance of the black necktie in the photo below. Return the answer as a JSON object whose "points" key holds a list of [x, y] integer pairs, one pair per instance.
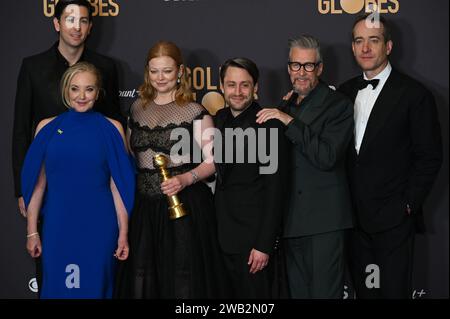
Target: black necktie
{"points": [[364, 83]]}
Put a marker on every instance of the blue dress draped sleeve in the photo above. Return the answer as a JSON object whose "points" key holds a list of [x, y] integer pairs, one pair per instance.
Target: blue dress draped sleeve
{"points": [[120, 163], [35, 157]]}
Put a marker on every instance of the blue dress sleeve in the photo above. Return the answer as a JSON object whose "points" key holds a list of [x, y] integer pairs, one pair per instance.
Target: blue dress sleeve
{"points": [[35, 157], [120, 163]]}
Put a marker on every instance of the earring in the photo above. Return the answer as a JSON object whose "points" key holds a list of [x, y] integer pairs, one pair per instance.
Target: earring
{"points": [[179, 80]]}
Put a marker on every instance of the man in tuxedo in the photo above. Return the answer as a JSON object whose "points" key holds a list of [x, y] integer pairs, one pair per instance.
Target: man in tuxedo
{"points": [[319, 126], [249, 195], [38, 94], [393, 162]]}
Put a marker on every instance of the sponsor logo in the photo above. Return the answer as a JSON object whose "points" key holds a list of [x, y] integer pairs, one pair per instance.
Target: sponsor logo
{"points": [[33, 285]]}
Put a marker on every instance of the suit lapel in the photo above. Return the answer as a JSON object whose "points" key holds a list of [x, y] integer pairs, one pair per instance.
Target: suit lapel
{"points": [[350, 89], [220, 123], [314, 106], [247, 120], [384, 105], [354, 92]]}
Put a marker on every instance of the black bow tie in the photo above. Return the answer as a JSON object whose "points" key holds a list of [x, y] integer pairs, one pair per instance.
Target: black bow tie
{"points": [[364, 83]]}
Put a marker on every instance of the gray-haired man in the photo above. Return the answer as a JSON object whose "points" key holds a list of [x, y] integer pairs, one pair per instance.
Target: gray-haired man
{"points": [[319, 125]]}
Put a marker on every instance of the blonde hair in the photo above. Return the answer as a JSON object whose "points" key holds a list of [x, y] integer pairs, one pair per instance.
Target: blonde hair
{"points": [[67, 77], [147, 92]]}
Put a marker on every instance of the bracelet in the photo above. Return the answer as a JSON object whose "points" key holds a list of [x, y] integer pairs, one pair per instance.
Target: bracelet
{"points": [[33, 234], [408, 209], [194, 176]]}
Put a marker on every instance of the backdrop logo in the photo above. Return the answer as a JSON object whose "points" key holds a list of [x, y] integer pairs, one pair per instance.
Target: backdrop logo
{"points": [[417, 294], [206, 80], [32, 285], [102, 8], [357, 6]]}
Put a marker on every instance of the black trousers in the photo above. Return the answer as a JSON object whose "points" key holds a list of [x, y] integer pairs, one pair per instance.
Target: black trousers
{"points": [[316, 265], [244, 284], [381, 263]]}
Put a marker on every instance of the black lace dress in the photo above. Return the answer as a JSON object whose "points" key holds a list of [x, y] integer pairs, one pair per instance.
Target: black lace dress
{"points": [[169, 258]]}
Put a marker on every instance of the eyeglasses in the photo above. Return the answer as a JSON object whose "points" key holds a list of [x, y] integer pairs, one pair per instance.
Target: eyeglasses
{"points": [[308, 66]]}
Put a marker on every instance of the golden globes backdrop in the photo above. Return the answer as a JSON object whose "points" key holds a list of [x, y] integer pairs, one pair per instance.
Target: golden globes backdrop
{"points": [[210, 31]]}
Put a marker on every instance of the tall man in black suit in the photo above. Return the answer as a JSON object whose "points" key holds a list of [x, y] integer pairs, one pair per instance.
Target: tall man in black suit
{"points": [[38, 93], [319, 125], [393, 162], [249, 194]]}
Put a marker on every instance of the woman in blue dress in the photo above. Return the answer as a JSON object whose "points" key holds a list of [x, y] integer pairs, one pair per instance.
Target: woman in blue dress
{"points": [[78, 180]]}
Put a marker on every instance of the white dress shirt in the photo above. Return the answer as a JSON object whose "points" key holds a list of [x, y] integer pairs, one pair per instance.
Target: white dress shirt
{"points": [[365, 100]]}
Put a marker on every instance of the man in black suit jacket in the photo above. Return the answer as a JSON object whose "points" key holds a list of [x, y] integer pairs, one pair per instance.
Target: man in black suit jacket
{"points": [[319, 125], [249, 192], [393, 162], [38, 93]]}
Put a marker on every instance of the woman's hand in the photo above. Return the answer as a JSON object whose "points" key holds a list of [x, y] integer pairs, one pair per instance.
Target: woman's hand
{"points": [[34, 246], [176, 184], [123, 249]]}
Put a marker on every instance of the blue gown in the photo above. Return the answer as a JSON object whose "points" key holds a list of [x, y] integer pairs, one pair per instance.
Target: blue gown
{"points": [[80, 153]]}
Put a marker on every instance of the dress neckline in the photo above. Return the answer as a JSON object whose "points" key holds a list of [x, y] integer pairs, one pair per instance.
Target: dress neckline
{"points": [[165, 104], [79, 115]]}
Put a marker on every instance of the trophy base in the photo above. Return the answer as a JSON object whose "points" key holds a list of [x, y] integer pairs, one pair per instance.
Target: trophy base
{"points": [[177, 211]]}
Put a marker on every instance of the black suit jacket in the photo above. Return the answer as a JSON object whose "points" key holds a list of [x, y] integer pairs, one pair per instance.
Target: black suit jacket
{"points": [[38, 97], [400, 154], [320, 134], [250, 205]]}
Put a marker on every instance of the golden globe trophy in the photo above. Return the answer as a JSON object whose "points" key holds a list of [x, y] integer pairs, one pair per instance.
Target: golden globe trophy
{"points": [[176, 209]]}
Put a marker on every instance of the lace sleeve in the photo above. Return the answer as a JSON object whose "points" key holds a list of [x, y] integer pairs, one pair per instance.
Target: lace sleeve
{"points": [[202, 114]]}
